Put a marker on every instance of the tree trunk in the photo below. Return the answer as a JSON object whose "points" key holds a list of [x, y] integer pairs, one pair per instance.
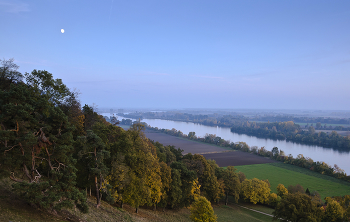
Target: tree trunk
{"points": [[121, 204], [137, 210], [96, 185], [90, 191], [155, 207], [97, 194], [226, 199]]}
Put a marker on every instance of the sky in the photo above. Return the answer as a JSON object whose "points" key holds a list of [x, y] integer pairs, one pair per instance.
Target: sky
{"points": [[187, 54]]}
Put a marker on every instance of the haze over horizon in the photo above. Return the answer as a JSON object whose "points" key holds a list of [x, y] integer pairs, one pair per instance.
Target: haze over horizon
{"points": [[194, 54]]}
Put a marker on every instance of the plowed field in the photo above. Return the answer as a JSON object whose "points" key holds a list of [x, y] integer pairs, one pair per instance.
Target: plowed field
{"points": [[219, 154]]}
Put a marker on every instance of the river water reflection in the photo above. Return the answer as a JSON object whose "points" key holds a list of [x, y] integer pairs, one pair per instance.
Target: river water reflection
{"points": [[328, 155]]}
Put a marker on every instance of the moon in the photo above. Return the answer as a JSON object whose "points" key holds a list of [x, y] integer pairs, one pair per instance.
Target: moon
{"points": [[62, 30]]}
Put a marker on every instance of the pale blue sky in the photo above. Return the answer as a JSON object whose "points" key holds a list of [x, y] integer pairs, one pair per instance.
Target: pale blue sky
{"points": [[187, 54]]}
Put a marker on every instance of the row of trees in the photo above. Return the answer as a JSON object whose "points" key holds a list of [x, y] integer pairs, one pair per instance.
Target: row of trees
{"points": [[300, 160], [296, 119]]}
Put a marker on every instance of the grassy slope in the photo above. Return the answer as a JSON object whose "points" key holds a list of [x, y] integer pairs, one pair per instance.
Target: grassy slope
{"points": [[287, 175]]}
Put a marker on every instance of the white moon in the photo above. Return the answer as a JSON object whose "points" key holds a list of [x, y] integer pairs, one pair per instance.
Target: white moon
{"points": [[62, 30]]}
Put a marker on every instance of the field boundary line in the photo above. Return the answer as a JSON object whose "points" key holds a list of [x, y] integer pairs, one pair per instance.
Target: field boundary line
{"points": [[224, 151], [270, 215], [254, 210]]}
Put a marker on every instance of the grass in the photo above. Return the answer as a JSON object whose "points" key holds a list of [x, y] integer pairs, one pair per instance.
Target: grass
{"points": [[13, 209], [257, 207], [235, 213], [287, 175]]}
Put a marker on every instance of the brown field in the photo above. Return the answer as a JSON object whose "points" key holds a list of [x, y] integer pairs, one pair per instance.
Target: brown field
{"points": [[188, 146], [236, 158], [223, 156]]}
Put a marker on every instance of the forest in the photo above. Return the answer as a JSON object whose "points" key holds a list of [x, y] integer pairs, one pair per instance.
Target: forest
{"points": [[57, 152]]}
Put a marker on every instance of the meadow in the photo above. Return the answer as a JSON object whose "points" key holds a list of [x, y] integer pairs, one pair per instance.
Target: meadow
{"points": [[287, 175]]}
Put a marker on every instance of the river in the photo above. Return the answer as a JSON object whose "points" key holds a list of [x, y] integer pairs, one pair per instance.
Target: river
{"points": [[316, 153]]}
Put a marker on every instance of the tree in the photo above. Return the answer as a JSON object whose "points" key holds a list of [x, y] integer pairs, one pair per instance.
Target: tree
{"points": [[296, 188], [145, 171], [311, 130], [281, 190], [297, 207], [241, 176], [255, 191], [9, 73], [275, 152], [202, 211], [191, 135], [232, 183], [186, 178], [36, 139], [206, 176], [175, 193], [318, 125], [165, 172], [93, 152], [333, 212]]}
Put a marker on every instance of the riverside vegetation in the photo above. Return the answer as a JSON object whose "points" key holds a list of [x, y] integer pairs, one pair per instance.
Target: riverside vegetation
{"points": [[285, 129], [57, 152]]}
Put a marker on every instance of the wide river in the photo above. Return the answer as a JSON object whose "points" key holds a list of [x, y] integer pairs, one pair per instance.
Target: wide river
{"points": [[316, 153]]}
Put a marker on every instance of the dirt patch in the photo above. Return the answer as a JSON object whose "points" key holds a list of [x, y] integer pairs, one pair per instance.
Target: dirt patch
{"points": [[237, 158]]}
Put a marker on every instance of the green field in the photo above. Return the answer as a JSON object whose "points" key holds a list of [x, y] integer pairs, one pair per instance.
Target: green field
{"points": [[287, 175]]}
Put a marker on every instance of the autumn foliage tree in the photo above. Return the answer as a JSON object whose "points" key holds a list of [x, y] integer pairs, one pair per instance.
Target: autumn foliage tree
{"points": [[255, 190], [202, 211]]}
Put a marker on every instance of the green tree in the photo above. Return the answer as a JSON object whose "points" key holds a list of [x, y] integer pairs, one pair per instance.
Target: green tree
{"points": [[36, 139], [165, 172], [202, 211], [175, 192], [297, 207], [275, 152], [311, 130], [187, 177], [206, 175], [318, 125], [93, 153], [191, 135], [232, 183]]}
